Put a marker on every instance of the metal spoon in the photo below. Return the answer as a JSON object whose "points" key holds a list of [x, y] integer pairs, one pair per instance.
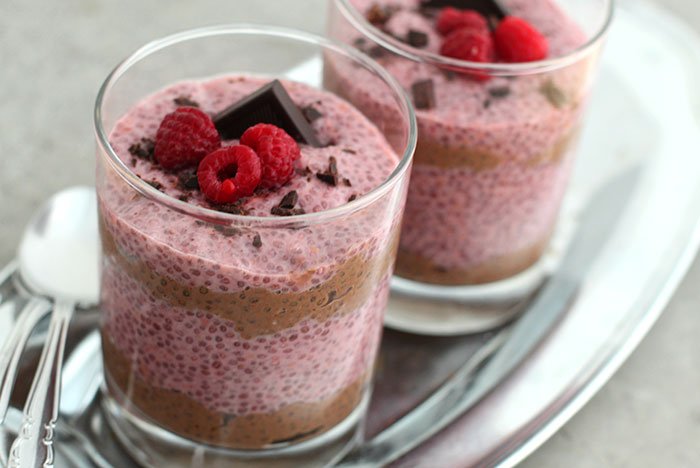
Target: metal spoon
{"points": [[58, 258]]}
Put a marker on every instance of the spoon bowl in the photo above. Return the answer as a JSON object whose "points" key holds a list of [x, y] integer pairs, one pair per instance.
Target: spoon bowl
{"points": [[58, 255]]}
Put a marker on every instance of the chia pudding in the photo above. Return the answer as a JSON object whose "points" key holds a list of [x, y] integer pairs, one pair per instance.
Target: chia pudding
{"points": [[244, 332], [494, 153]]}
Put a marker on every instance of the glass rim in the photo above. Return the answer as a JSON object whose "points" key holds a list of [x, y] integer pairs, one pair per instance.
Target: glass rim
{"points": [[498, 69], [211, 215]]}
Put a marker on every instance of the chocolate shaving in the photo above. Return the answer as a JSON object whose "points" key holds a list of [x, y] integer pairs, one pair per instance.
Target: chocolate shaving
{"points": [[289, 201], [155, 184], [270, 104], [378, 15], [184, 198], [330, 177], [485, 7], [235, 208], [352, 197], [311, 114], [306, 171], [349, 151], [359, 43], [257, 241], [423, 94], [227, 231], [143, 149], [188, 179], [287, 204], [185, 101], [487, 103], [347, 182], [277, 211], [417, 39], [554, 94], [500, 92]]}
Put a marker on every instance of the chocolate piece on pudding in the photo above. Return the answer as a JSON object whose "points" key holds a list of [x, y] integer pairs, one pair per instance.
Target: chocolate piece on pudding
{"points": [[269, 104], [423, 94], [485, 7]]}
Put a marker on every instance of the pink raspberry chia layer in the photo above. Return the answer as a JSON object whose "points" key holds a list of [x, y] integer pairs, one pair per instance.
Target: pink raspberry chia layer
{"points": [[493, 157], [246, 333]]}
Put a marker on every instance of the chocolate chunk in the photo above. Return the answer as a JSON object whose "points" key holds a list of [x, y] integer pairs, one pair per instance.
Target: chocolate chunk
{"points": [[417, 39], [330, 177], [554, 94], [227, 231], [143, 149], [270, 104], [188, 179], [277, 211], [290, 200], [235, 208], [347, 182], [423, 94], [311, 114], [359, 43], [287, 204], [485, 7], [376, 52], [352, 197], [378, 15], [500, 92], [155, 184], [257, 241], [306, 171], [185, 101]]}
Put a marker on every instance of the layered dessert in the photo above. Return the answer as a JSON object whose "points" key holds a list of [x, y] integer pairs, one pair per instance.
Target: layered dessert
{"points": [[494, 148], [253, 326]]}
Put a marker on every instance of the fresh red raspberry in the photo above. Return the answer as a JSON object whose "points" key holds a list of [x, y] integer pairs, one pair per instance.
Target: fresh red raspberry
{"points": [[229, 173], [471, 45], [451, 19], [184, 138], [518, 41], [277, 151]]}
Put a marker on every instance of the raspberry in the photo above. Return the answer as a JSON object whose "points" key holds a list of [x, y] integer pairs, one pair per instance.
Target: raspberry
{"points": [[229, 173], [451, 19], [471, 45], [518, 41], [277, 151], [184, 138]]}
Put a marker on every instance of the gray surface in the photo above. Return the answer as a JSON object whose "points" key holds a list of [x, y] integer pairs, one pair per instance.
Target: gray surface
{"points": [[53, 56]]}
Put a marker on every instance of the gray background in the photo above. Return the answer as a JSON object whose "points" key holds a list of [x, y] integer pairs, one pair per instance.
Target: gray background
{"points": [[53, 56]]}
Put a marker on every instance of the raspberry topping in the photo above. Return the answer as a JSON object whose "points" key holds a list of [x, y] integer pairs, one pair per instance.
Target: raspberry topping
{"points": [[451, 19], [277, 151], [229, 173], [184, 138], [471, 45], [518, 41]]}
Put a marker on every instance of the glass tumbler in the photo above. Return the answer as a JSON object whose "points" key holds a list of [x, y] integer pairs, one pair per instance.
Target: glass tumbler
{"points": [[241, 339], [496, 141]]}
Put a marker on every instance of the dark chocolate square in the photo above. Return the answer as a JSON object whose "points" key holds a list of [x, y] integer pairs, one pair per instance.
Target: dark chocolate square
{"points": [[270, 104]]}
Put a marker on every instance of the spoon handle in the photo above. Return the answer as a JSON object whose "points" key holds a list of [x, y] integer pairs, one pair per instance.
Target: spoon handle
{"points": [[12, 350], [33, 447]]}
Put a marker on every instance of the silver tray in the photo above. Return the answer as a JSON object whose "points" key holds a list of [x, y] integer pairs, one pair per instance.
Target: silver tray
{"points": [[644, 114]]}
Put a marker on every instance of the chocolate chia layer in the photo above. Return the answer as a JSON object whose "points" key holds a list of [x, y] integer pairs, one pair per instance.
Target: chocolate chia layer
{"points": [[244, 334], [189, 418]]}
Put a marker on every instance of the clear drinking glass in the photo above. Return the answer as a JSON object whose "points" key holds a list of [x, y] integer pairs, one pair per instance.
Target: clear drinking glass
{"points": [[218, 351], [495, 149]]}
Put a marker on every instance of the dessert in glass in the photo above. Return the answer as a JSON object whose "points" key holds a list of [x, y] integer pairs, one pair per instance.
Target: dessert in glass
{"points": [[249, 222], [500, 90]]}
